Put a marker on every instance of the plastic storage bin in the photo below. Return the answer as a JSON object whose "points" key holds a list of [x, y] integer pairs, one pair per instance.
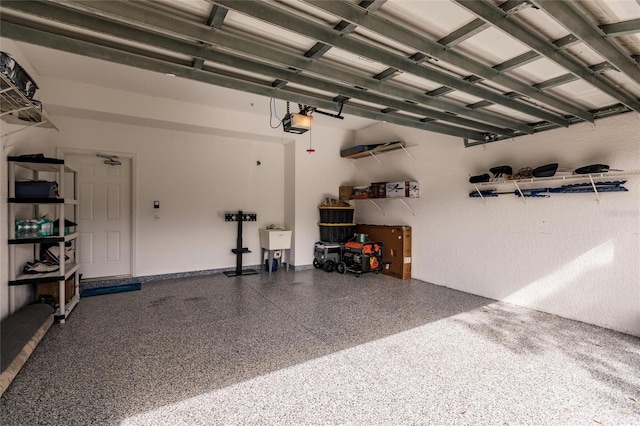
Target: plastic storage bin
{"points": [[36, 189], [336, 214], [336, 232]]}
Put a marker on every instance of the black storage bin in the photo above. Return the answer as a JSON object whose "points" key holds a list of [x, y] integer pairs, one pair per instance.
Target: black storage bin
{"points": [[36, 189], [336, 232], [336, 214]]}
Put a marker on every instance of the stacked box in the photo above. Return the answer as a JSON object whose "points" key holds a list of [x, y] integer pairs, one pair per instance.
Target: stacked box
{"points": [[379, 189], [53, 289], [345, 192], [403, 189], [397, 247]]}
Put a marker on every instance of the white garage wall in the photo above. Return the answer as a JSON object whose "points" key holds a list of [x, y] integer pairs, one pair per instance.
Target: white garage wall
{"points": [[318, 175], [196, 178], [567, 254], [198, 162]]}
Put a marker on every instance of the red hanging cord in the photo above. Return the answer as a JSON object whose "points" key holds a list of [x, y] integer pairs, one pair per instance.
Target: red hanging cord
{"points": [[310, 150]]}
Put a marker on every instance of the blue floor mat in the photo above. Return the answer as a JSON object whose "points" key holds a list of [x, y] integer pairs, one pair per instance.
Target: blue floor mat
{"points": [[111, 289]]}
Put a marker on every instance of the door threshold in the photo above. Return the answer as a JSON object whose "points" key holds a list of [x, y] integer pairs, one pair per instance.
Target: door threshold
{"points": [[109, 278]]}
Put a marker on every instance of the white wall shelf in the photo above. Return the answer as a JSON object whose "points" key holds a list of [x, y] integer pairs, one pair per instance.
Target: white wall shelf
{"points": [[377, 149], [16, 108], [597, 183], [373, 151], [65, 271]]}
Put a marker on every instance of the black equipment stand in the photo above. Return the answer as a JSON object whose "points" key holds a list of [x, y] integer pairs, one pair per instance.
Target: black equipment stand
{"points": [[239, 250]]}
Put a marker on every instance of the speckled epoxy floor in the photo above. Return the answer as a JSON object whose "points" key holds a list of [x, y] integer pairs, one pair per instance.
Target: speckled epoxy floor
{"points": [[309, 347]]}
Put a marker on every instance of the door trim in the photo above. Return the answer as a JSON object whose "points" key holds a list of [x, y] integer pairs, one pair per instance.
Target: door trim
{"points": [[60, 153]]}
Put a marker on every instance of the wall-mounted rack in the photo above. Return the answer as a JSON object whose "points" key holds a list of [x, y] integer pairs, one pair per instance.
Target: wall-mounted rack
{"points": [[577, 183], [375, 200], [373, 150], [16, 108]]}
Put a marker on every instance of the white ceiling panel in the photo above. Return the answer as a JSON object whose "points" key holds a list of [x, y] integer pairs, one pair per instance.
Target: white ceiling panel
{"points": [[501, 110], [492, 47], [538, 71], [588, 96], [434, 18], [419, 83], [355, 61]]}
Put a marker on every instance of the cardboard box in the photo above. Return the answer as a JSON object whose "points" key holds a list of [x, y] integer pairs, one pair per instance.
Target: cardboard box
{"points": [[379, 189], [52, 289], [396, 241], [345, 192], [403, 189]]}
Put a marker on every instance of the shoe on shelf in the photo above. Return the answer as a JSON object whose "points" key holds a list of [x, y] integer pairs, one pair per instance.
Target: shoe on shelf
{"points": [[39, 267]]}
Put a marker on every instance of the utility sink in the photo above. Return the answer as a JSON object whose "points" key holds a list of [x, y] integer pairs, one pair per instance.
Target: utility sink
{"points": [[275, 239]]}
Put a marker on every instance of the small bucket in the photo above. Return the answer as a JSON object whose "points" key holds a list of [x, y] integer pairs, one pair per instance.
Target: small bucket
{"points": [[362, 238]]}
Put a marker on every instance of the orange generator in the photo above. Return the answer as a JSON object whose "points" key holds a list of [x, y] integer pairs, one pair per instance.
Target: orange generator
{"points": [[360, 257]]}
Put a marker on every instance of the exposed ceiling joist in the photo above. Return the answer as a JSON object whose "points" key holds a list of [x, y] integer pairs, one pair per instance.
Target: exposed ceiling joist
{"points": [[216, 17], [591, 35], [618, 29], [344, 27], [401, 74], [433, 49], [282, 75], [60, 42], [556, 81], [463, 33], [496, 16], [516, 62], [292, 22], [193, 31]]}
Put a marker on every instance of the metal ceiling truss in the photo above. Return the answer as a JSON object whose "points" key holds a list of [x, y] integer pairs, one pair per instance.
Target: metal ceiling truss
{"points": [[192, 31], [112, 28], [619, 29], [399, 33], [284, 19], [590, 35], [209, 44], [496, 17], [164, 65]]}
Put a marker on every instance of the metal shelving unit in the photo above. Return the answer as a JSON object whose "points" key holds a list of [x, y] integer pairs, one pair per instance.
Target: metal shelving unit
{"points": [[16, 108], [66, 270]]}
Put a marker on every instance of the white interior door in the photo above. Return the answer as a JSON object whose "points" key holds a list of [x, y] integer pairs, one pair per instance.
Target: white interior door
{"points": [[104, 220]]}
